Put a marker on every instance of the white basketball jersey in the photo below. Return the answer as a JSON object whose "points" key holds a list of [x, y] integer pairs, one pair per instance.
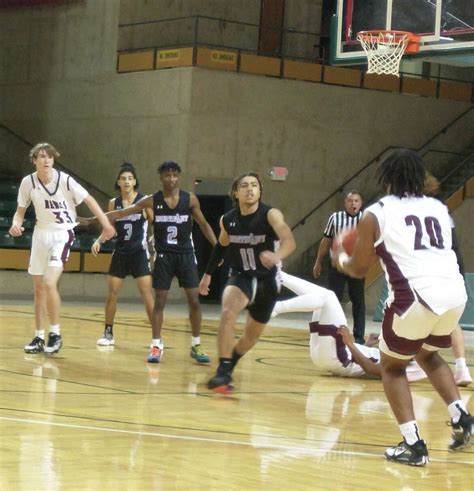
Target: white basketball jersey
{"points": [[415, 249], [54, 203]]}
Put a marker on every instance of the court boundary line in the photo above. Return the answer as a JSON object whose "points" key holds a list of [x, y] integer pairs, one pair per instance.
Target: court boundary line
{"points": [[213, 440]]}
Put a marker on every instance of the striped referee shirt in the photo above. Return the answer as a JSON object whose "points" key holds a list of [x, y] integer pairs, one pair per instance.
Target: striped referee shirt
{"points": [[339, 222]]}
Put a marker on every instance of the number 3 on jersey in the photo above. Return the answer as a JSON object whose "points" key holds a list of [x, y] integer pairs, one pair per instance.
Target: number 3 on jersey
{"points": [[432, 228], [248, 259], [59, 218]]}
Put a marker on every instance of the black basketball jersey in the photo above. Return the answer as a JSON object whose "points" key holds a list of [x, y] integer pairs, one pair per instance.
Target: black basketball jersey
{"points": [[249, 235], [173, 226], [131, 230]]}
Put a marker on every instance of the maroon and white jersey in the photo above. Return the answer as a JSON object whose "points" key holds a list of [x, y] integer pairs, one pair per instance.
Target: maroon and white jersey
{"points": [[55, 203], [416, 254]]}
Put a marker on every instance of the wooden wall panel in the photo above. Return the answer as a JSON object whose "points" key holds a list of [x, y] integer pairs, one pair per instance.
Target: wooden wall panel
{"points": [[136, 61], [172, 58], [455, 90], [217, 59], [261, 65], [99, 264], [389, 83], [300, 70], [470, 188], [419, 86], [342, 76]]}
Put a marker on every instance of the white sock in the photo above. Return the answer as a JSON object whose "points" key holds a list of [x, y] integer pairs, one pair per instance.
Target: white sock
{"points": [[39, 333], [195, 340], [55, 329], [460, 363], [455, 409], [157, 342], [410, 432]]}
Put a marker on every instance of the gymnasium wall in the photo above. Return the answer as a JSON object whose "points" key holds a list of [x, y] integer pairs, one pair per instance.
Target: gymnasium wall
{"points": [[59, 83], [303, 16]]}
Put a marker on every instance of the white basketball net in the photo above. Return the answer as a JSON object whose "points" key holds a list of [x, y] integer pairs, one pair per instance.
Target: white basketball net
{"points": [[384, 51]]}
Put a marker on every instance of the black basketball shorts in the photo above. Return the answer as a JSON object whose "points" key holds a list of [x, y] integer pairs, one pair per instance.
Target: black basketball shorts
{"points": [[136, 264], [171, 264], [261, 292]]}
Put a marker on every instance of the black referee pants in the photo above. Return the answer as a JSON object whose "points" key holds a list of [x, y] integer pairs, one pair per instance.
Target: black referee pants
{"points": [[356, 288]]}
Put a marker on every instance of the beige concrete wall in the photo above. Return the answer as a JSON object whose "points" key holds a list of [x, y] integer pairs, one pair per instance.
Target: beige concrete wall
{"points": [[59, 84], [463, 220]]}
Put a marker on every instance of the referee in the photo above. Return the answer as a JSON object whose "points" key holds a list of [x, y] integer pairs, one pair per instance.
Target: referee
{"points": [[337, 223]]}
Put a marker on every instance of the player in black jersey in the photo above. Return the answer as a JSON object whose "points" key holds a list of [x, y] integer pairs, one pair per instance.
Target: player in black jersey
{"points": [[173, 214], [131, 254], [248, 237]]}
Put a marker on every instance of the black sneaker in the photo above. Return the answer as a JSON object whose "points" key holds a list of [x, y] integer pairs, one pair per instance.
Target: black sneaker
{"points": [[462, 431], [36, 345], [221, 384], [54, 344], [416, 454]]}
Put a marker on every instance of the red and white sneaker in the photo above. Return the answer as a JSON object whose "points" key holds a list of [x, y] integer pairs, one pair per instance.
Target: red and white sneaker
{"points": [[155, 354]]}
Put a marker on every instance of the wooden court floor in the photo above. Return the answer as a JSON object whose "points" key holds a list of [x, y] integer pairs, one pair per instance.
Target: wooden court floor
{"points": [[87, 419]]}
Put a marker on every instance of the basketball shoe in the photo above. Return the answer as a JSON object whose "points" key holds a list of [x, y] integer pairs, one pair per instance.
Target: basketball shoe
{"points": [[222, 384], [416, 454], [155, 354], [462, 431], [36, 345], [54, 343], [107, 339], [198, 354]]}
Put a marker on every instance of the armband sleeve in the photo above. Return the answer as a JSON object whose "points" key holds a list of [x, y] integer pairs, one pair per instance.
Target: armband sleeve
{"points": [[217, 254]]}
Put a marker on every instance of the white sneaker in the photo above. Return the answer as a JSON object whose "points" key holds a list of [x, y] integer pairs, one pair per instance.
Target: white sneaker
{"points": [[106, 340], [462, 377]]}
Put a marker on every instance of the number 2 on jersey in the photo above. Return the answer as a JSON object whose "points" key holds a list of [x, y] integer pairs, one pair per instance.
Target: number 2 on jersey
{"points": [[432, 228], [248, 259], [172, 234]]}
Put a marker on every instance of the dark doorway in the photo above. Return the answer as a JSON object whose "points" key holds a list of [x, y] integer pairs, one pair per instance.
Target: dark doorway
{"points": [[212, 207], [272, 16]]}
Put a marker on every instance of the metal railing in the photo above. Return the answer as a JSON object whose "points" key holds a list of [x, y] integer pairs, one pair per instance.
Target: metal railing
{"points": [[206, 31], [423, 150]]}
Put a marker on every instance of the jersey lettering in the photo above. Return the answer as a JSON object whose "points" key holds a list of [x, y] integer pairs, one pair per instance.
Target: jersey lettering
{"points": [[171, 238], [432, 229], [128, 227], [60, 219], [248, 259]]}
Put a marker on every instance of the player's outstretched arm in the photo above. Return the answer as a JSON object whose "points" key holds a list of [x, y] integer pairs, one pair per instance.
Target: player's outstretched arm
{"points": [[95, 249], [285, 235], [108, 230], [138, 207], [367, 365]]}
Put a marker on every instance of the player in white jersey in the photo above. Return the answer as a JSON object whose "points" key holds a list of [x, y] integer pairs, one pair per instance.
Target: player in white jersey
{"points": [[332, 347], [54, 196], [411, 234]]}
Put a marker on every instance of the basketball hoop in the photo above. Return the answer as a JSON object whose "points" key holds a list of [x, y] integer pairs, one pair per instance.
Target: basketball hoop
{"points": [[384, 49]]}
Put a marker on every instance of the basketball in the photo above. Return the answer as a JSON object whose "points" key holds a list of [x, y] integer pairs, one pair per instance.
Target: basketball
{"points": [[344, 242]]}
